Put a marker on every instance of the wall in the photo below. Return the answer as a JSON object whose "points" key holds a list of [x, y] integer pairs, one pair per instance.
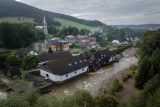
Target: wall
{"points": [[58, 78]]}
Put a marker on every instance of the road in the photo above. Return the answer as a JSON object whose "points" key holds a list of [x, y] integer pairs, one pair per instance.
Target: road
{"points": [[93, 82]]}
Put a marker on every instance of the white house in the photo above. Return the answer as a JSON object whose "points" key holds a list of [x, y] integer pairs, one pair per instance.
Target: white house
{"points": [[32, 52], [64, 69], [116, 43]]}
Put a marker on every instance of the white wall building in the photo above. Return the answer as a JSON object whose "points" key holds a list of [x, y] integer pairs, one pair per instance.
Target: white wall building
{"points": [[116, 43], [64, 69]]}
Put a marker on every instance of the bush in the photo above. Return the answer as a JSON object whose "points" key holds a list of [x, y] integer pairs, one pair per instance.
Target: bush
{"points": [[104, 100], [32, 98], [115, 86], [30, 61], [43, 102], [3, 61], [16, 100], [12, 60], [129, 74], [83, 98]]}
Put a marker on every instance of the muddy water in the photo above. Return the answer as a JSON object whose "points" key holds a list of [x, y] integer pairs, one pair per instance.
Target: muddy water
{"points": [[93, 82]]}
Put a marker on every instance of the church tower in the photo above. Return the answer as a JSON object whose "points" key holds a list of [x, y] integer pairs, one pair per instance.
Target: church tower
{"points": [[45, 30]]}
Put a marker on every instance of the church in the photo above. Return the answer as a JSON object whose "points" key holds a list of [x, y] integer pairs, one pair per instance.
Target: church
{"points": [[44, 27]]}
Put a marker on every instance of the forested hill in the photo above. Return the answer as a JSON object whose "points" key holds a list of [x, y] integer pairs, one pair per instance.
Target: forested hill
{"points": [[11, 8], [142, 26]]}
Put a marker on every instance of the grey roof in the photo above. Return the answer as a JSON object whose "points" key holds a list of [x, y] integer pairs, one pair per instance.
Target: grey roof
{"points": [[65, 65], [54, 56]]}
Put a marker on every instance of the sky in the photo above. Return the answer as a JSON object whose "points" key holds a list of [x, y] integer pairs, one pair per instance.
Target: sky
{"points": [[111, 12]]}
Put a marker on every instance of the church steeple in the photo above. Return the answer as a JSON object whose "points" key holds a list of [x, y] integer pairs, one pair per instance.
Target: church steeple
{"points": [[45, 30]]}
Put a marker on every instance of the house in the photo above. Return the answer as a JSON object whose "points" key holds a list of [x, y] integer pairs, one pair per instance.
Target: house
{"points": [[32, 52], [93, 39], [39, 27], [116, 43], [26, 51], [70, 39], [64, 69], [48, 57], [60, 46], [102, 57], [56, 44], [92, 45]]}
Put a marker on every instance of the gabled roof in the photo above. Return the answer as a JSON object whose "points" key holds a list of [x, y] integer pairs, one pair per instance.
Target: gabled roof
{"points": [[65, 65], [24, 51], [102, 52], [54, 56]]}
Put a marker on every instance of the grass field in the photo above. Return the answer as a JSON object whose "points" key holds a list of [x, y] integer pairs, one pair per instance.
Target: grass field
{"points": [[16, 20], [67, 23]]}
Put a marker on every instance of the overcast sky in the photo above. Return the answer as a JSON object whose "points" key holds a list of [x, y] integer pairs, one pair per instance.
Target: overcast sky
{"points": [[110, 12]]}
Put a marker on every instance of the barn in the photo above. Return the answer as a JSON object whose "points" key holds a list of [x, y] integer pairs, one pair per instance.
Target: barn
{"points": [[64, 69]]}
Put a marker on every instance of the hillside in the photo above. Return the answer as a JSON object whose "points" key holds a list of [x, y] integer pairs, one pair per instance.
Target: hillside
{"points": [[16, 19], [67, 23], [11, 8], [142, 26]]}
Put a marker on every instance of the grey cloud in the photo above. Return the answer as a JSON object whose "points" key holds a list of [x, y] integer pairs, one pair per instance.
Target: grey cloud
{"points": [[108, 11]]}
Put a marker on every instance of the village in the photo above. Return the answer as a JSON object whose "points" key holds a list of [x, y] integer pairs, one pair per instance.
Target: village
{"points": [[79, 53], [56, 61]]}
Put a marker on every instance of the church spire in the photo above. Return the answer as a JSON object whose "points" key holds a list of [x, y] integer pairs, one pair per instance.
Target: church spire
{"points": [[45, 30]]}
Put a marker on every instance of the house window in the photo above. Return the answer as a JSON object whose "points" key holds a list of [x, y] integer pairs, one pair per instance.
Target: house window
{"points": [[70, 64], [47, 75], [75, 72], [85, 60], [82, 69], [80, 61], [66, 75], [75, 63]]}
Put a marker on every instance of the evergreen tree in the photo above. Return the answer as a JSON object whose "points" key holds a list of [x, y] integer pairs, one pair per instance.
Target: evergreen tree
{"points": [[50, 50]]}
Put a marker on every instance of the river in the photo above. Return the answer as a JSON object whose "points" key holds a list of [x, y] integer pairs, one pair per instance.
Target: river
{"points": [[93, 82]]}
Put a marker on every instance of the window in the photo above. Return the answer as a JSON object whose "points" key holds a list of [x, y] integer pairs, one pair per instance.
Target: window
{"points": [[80, 61], [85, 60], [82, 69], [70, 64], [75, 62], [75, 72], [66, 75], [47, 75]]}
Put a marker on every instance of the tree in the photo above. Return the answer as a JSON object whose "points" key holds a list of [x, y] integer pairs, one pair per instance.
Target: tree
{"points": [[143, 74], [12, 60], [104, 100], [30, 61], [17, 35], [149, 58], [83, 98], [50, 50], [84, 32]]}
